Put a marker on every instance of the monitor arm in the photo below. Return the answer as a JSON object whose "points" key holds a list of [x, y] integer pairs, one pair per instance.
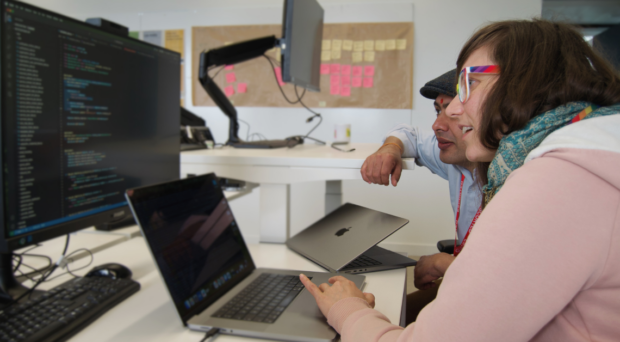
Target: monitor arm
{"points": [[229, 55]]}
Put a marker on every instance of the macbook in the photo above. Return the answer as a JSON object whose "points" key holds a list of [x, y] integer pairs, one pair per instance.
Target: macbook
{"points": [[345, 241], [207, 268]]}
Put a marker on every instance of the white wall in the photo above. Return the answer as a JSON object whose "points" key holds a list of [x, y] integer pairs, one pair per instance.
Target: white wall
{"points": [[440, 29]]}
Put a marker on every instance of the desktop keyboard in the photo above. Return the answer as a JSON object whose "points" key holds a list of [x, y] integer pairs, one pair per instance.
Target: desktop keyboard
{"points": [[362, 261], [265, 144], [263, 300], [65, 310]]}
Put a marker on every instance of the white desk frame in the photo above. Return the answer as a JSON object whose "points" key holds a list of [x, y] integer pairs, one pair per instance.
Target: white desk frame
{"points": [[276, 169]]}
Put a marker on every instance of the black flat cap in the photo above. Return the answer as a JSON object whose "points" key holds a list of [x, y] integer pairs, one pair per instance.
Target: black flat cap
{"points": [[444, 84]]}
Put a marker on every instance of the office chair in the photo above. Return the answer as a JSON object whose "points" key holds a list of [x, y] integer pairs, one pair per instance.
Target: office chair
{"points": [[446, 246]]}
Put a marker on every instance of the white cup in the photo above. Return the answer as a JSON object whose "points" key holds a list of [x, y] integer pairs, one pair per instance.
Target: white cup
{"points": [[342, 134]]}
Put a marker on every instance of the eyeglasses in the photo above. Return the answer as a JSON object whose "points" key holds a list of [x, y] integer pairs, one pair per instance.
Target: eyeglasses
{"points": [[462, 87]]}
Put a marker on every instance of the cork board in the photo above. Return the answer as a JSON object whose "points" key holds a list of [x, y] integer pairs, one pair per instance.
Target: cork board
{"points": [[363, 65]]}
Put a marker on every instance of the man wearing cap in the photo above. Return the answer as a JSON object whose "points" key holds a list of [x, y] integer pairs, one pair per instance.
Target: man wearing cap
{"points": [[443, 152]]}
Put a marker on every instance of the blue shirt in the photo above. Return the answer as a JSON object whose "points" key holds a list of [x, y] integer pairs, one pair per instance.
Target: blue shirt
{"points": [[422, 145]]}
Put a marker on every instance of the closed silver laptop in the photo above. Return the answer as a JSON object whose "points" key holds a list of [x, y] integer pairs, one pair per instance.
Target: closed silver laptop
{"points": [[210, 275], [345, 241]]}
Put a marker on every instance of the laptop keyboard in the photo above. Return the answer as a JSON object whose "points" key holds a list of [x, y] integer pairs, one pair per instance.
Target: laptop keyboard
{"points": [[362, 261], [263, 300]]}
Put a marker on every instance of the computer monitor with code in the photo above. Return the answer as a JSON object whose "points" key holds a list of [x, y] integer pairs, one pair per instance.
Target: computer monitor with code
{"points": [[86, 114]]}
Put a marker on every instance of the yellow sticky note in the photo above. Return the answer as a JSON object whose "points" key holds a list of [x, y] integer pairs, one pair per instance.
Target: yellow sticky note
{"points": [[347, 45], [401, 44], [227, 43], [380, 45], [358, 45], [326, 55], [336, 44], [327, 45], [369, 56], [356, 56], [336, 54], [369, 45], [278, 54], [322, 104], [390, 44]]}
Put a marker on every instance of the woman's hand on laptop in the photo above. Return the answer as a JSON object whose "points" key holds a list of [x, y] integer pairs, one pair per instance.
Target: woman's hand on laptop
{"points": [[326, 296]]}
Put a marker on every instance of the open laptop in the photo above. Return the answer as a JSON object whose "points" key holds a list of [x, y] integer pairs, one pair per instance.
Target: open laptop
{"points": [[345, 241], [208, 270]]}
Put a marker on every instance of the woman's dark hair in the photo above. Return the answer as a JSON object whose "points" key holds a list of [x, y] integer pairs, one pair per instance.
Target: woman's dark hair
{"points": [[542, 65]]}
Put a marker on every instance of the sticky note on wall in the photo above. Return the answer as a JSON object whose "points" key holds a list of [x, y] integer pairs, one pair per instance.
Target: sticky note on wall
{"points": [[358, 45], [380, 45], [401, 44], [347, 45], [242, 88], [327, 45], [369, 56], [326, 56], [336, 44], [230, 77], [229, 67], [229, 91], [334, 68], [325, 69], [357, 71], [369, 70], [345, 69], [336, 54], [369, 45], [357, 57], [390, 44]]}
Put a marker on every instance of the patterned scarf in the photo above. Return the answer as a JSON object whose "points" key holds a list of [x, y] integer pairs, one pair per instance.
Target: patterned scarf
{"points": [[514, 147]]}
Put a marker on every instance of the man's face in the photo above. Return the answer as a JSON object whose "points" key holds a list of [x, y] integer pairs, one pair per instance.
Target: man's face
{"points": [[449, 137]]}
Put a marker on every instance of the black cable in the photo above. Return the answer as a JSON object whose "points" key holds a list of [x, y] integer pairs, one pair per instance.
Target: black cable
{"points": [[214, 332], [39, 270], [341, 150], [221, 68], [273, 67], [317, 140], [247, 135], [69, 271], [42, 278], [18, 263]]}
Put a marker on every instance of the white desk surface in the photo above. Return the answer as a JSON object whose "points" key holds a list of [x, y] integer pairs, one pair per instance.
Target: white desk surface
{"points": [[305, 155], [149, 315]]}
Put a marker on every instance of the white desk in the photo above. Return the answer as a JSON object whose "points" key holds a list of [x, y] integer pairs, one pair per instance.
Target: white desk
{"points": [[276, 169], [149, 314]]}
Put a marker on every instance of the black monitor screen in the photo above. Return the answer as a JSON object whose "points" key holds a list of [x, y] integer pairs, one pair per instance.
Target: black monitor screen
{"points": [[86, 114], [302, 34]]}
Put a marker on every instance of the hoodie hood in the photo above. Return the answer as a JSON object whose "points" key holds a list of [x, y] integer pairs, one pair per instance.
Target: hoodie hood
{"points": [[598, 137]]}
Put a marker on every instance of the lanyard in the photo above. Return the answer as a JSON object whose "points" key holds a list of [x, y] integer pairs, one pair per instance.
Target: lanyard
{"points": [[458, 248]]}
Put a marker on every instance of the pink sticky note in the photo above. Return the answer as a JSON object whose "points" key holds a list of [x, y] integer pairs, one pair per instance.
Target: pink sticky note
{"points": [[324, 69], [367, 82], [335, 68], [369, 70], [357, 71], [345, 80], [242, 88], [334, 90], [229, 91], [356, 82], [279, 76], [345, 69], [230, 77], [334, 80], [345, 91], [229, 67]]}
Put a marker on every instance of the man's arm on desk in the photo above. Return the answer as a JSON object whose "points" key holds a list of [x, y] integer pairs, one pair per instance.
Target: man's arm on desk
{"points": [[387, 161]]}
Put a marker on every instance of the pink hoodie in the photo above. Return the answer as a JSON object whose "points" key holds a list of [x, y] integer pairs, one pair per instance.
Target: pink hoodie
{"points": [[543, 262]]}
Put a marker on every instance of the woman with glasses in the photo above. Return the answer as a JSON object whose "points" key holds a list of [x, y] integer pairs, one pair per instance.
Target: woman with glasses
{"points": [[540, 115]]}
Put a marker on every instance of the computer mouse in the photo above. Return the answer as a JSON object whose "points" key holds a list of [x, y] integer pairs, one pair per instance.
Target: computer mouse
{"points": [[114, 271], [297, 139]]}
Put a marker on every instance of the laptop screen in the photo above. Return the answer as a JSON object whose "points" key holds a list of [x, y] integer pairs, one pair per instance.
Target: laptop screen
{"points": [[194, 239]]}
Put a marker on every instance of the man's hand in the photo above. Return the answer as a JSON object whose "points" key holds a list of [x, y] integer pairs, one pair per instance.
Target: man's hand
{"points": [[387, 161], [431, 268], [326, 296]]}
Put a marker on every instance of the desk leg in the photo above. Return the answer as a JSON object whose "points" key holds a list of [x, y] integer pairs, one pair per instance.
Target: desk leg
{"points": [[274, 212], [333, 195]]}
